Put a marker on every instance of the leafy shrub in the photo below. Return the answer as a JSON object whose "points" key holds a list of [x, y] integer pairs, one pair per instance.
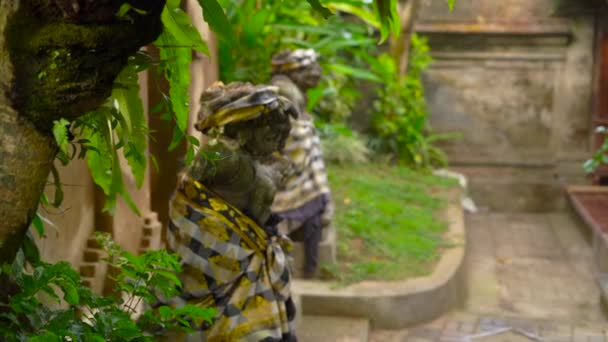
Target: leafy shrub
{"points": [[399, 119], [52, 304], [343, 146], [264, 28], [334, 98], [601, 155], [348, 51]]}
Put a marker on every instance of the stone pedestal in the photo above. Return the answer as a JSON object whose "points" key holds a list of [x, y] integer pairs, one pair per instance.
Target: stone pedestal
{"points": [[327, 252]]}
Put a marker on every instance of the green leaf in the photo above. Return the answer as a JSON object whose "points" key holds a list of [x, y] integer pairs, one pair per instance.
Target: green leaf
{"points": [[178, 135], [189, 155], [30, 250], [317, 6], [386, 12], [38, 225], [314, 96], [216, 18], [356, 10], [169, 276], [354, 72], [177, 24], [176, 67], [165, 312], [46, 336], [60, 132], [133, 259], [99, 159], [451, 4], [70, 294], [58, 198], [134, 128], [104, 163]]}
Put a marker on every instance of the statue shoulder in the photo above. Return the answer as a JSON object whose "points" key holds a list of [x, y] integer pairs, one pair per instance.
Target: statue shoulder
{"points": [[289, 89], [216, 162]]}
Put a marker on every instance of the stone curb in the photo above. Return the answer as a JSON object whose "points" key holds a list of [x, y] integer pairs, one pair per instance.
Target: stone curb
{"points": [[397, 304]]}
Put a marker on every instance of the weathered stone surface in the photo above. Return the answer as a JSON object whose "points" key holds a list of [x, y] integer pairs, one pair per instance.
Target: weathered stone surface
{"points": [[332, 329], [482, 11], [530, 274], [501, 109], [515, 81]]}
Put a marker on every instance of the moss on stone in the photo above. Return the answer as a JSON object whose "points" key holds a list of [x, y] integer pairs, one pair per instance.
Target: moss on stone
{"points": [[64, 67]]}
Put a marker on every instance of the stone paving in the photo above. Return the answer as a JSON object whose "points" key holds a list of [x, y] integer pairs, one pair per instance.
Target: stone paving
{"points": [[530, 278]]}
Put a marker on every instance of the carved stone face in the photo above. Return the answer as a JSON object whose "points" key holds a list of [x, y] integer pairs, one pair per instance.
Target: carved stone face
{"points": [[307, 77], [267, 137]]}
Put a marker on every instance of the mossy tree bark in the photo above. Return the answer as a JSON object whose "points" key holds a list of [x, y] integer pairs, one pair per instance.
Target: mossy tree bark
{"points": [[400, 47], [58, 58]]}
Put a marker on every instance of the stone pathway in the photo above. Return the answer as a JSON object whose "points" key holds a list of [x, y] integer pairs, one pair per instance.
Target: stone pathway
{"points": [[530, 278]]}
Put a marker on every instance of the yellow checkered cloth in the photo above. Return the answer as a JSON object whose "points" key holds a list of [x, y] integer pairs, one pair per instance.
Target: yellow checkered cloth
{"points": [[230, 263], [309, 180]]}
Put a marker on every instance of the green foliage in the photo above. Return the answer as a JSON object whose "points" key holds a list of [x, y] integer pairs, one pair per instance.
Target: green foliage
{"points": [[334, 98], [216, 18], [53, 305], [341, 145], [387, 219], [316, 4], [119, 125], [601, 155], [388, 9], [451, 4], [349, 54], [267, 27], [60, 133], [176, 43], [399, 119]]}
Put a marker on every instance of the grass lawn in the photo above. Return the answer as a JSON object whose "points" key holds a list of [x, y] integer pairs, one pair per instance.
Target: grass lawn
{"points": [[387, 219]]}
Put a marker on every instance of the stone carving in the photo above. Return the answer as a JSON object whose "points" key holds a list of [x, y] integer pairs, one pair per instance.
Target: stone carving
{"points": [[303, 200], [234, 259]]}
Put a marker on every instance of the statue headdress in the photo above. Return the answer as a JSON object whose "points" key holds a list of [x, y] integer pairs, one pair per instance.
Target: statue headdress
{"points": [[237, 102], [288, 60]]}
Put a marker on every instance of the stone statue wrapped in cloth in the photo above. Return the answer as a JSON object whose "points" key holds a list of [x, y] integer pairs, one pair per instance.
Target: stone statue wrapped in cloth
{"points": [[233, 258], [303, 200]]}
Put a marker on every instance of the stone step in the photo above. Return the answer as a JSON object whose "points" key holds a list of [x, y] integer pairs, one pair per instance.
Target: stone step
{"points": [[332, 329], [152, 232]]}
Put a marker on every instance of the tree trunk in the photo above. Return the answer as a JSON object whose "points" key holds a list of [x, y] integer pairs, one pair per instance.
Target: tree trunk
{"points": [[400, 48], [58, 58]]}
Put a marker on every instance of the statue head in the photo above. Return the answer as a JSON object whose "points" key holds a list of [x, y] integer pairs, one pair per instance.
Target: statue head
{"points": [[255, 116], [299, 65]]}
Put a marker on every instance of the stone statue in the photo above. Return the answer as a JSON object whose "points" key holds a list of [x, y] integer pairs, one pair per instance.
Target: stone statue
{"points": [[303, 200], [234, 259]]}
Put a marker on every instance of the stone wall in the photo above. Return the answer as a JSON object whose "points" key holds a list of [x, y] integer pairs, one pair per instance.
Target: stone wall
{"points": [[515, 82]]}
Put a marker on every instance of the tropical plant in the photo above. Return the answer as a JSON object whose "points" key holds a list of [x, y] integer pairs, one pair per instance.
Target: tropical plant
{"points": [[51, 55], [341, 145], [52, 304], [53, 123], [399, 120], [264, 28], [601, 155]]}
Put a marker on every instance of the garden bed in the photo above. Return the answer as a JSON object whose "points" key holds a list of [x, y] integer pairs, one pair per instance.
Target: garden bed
{"points": [[389, 222], [423, 281]]}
